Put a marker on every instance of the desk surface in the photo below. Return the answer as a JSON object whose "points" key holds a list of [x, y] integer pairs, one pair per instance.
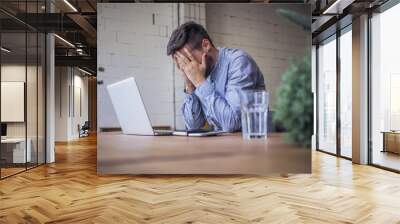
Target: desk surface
{"points": [[390, 132], [227, 154], [13, 140]]}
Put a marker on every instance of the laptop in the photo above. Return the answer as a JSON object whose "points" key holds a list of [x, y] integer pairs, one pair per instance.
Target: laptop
{"points": [[132, 115], [130, 110]]}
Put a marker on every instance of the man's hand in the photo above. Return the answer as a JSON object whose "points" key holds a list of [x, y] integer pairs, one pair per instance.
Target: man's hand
{"points": [[191, 68], [189, 87]]}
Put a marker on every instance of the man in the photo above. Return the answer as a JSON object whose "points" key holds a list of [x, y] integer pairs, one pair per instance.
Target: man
{"points": [[213, 78]]}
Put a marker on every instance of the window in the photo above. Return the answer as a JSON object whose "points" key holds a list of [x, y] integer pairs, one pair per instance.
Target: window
{"points": [[385, 88], [346, 93], [329, 113], [327, 96]]}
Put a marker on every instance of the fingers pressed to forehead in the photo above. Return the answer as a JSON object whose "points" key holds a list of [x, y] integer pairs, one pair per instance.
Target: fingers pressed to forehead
{"points": [[176, 63], [175, 58], [182, 57], [179, 55], [179, 62], [190, 56]]}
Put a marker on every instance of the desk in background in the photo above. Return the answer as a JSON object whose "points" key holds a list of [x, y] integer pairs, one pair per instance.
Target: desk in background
{"points": [[391, 141], [227, 154], [13, 150]]}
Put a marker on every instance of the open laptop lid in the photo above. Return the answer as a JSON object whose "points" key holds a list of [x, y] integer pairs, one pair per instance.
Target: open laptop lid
{"points": [[129, 107]]}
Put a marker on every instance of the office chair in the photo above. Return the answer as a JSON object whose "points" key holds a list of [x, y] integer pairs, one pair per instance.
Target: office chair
{"points": [[84, 130]]}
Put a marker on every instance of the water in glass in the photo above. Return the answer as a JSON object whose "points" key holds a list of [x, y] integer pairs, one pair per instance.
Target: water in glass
{"points": [[254, 109]]}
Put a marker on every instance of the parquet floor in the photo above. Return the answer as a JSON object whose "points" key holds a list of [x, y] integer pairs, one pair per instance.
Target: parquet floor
{"points": [[70, 191]]}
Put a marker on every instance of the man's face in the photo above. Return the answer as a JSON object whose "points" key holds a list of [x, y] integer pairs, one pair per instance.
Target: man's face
{"points": [[197, 54]]}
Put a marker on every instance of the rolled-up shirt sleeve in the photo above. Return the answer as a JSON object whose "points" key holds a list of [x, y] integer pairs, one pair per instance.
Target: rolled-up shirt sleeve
{"points": [[224, 112], [192, 112]]}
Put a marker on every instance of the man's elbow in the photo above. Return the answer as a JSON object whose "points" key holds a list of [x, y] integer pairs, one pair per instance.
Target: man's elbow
{"points": [[230, 129], [194, 124], [232, 125]]}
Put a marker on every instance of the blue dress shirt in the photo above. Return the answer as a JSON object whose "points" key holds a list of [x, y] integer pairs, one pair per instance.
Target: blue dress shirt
{"points": [[217, 99]]}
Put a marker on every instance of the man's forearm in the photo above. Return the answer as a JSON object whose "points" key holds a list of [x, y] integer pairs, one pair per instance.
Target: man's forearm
{"points": [[217, 109], [189, 87], [192, 112]]}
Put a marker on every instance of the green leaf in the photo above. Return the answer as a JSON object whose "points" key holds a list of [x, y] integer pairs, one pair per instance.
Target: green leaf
{"points": [[294, 106]]}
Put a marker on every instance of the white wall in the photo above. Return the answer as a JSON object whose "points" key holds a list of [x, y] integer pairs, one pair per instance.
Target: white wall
{"points": [[131, 43], [33, 127], [82, 83], [62, 80], [68, 83], [15, 72], [9, 73], [270, 39]]}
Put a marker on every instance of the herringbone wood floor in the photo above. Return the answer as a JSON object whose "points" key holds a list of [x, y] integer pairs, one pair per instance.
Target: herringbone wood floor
{"points": [[70, 191]]}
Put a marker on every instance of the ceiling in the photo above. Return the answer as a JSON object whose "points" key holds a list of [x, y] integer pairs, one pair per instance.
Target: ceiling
{"points": [[72, 20], [76, 22]]}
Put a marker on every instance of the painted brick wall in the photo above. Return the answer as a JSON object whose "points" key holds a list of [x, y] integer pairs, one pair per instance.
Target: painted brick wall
{"points": [[132, 41], [269, 38]]}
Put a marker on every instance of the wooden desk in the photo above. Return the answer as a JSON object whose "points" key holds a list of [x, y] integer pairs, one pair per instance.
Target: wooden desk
{"points": [[13, 150], [391, 141], [228, 154]]}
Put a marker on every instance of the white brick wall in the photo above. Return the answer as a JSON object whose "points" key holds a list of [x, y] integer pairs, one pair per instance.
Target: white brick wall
{"points": [[132, 40], [257, 29]]}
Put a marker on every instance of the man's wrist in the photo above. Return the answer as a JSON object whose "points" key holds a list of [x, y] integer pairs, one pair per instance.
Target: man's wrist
{"points": [[204, 90], [189, 88], [199, 81]]}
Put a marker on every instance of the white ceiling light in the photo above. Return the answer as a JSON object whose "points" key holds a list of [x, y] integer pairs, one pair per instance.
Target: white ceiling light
{"points": [[65, 41], [5, 50], [338, 6], [70, 5], [84, 71]]}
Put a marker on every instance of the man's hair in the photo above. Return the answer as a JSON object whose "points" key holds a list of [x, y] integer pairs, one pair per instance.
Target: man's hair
{"points": [[189, 33]]}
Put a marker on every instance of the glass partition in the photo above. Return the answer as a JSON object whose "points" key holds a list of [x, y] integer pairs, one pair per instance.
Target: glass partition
{"points": [[13, 109], [31, 76], [31, 99], [22, 88], [327, 95], [346, 93], [41, 107]]}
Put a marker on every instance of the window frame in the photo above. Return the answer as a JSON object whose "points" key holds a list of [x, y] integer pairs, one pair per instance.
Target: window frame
{"points": [[381, 9], [333, 37]]}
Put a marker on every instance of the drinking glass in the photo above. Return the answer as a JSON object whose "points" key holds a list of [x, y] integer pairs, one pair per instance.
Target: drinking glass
{"points": [[254, 110]]}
